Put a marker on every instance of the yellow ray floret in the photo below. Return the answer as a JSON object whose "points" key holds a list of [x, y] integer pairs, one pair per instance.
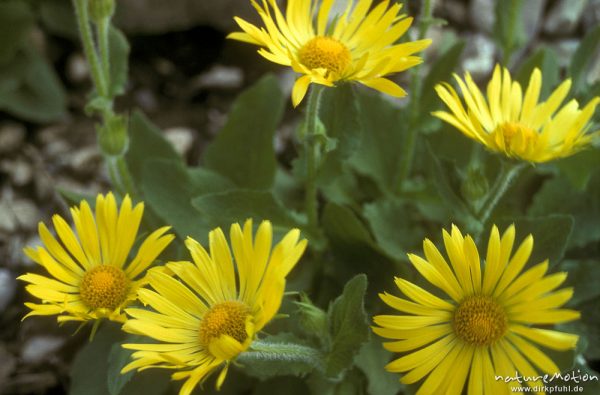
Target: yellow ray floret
{"points": [[517, 125], [486, 325], [213, 310], [91, 273], [358, 44]]}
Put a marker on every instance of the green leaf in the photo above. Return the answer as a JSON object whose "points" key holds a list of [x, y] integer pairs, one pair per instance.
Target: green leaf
{"points": [[582, 60], [448, 184], [583, 277], [90, 366], [440, 71], [340, 114], [16, 21], [544, 59], [550, 236], [390, 221], [352, 245], [312, 319], [243, 150], [223, 209], [385, 126], [149, 382], [169, 187], [146, 142], [579, 168], [98, 105], [372, 359], [343, 226], [348, 326], [74, 198], [119, 61], [265, 368], [353, 384], [588, 325], [279, 385], [118, 357], [34, 92], [58, 18], [558, 196], [509, 30]]}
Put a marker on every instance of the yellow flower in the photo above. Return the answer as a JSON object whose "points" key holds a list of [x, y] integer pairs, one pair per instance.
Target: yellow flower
{"points": [[215, 310], [486, 325], [90, 279], [358, 45], [516, 125]]}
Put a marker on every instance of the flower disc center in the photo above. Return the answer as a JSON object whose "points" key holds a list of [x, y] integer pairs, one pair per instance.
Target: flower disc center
{"points": [[104, 287], [226, 318], [325, 53], [480, 320], [514, 138]]}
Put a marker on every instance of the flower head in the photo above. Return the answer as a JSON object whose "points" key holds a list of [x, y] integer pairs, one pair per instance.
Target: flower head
{"points": [[516, 125], [357, 45], [486, 325], [90, 277], [213, 312]]}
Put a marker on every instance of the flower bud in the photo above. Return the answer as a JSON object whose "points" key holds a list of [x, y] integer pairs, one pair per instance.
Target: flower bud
{"points": [[113, 138], [312, 319], [101, 9], [475, 186]]}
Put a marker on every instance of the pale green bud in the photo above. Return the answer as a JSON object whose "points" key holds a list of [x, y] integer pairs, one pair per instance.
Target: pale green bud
{"points": [[101, 9], [113, 137], [312, 319], [475, 186]]}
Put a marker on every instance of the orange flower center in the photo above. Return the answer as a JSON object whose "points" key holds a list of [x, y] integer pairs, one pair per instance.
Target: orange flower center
{"points": [[480, 320], [104, 287], [514, 138], [325, 53], [226, 318]]}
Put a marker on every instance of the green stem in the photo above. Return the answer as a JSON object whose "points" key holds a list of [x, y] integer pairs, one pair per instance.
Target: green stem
{"points": [[103, 27], [113, 173], [119, 174], [125, 175], [408, 150], [426, 18], [509, 173], [311, 148], [281, 352], [83, 21]]}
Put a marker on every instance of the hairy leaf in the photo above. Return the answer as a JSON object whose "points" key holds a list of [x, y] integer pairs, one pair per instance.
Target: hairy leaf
{"points": [[243, 150], [348, 326]]}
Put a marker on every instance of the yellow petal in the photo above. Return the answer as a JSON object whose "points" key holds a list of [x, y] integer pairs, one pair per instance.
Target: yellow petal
{"points": [[386, 86], [299, 90], [225, 347]]}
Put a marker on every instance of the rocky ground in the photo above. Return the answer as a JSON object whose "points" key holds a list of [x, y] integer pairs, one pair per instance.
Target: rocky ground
{"points": [[184, 75]]}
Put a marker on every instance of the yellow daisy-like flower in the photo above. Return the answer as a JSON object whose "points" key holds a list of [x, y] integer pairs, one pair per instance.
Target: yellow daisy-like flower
{"points": [[486, 326], [215, 310], [358, 45], [90, 277], [516, 125]]}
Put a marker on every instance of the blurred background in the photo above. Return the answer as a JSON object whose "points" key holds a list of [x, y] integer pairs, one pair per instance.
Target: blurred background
{"points": [[184, 74]]}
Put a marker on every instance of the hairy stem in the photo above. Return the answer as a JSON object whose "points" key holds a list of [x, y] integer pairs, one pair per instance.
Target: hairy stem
{"points": [[103, 28], [89, 48], [506, 177], [311, 147], [408, 150], [283, 352]]}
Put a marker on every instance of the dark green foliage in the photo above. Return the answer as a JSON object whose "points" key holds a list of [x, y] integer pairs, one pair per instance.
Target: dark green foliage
{"points": [[243, 150], [29, 86]]}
